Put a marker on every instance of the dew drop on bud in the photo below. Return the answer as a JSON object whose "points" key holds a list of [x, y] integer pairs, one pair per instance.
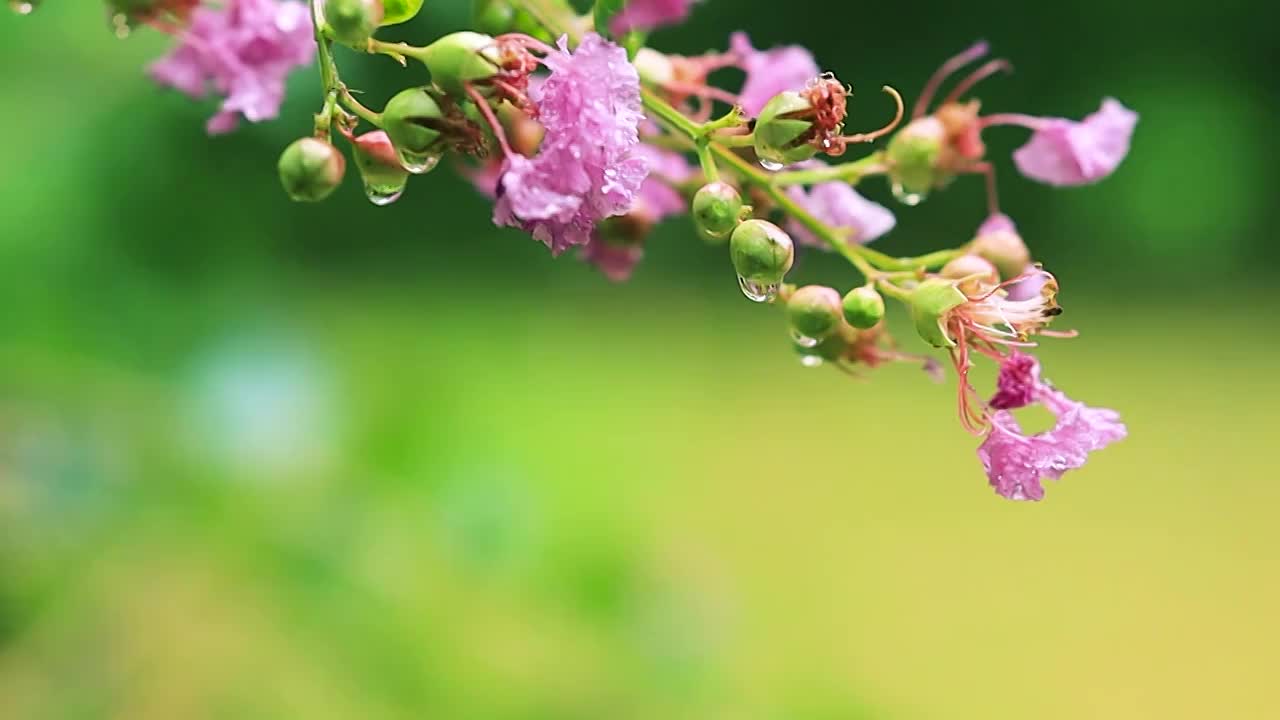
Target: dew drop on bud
{"points": [[904, 196], [22, 7], [382, 194], [771, 166], [418, 164], [758, 292], [811, 361], [803, 340]]}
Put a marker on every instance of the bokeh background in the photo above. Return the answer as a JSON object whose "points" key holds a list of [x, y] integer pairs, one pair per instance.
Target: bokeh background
{"points": [[260, 460]]}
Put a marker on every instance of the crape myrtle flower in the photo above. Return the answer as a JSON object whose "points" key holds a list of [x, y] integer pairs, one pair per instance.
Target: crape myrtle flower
{"points": [[945, 141], [969, 317], [617, 245], [840, 206], [1065, 152], [770, 72], [243, 50], [650, 14], [587, 168], [1016, 463]]}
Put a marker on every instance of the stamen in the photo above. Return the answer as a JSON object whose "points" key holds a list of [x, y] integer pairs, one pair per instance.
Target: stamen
{"points": [[976, 77], [527, 42], [897, 118], [940, 76], [490, 118]]}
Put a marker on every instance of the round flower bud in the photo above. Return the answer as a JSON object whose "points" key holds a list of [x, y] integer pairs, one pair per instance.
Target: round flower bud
{"points": [[494, 17], [761, 252], [863, 307], [654, 67], [780, 138], [398, 11], [814, 311], [410, 119], [384, 177], [352, 22], [311, 169], [717, 209], [973, 271], [1004, 248], [930, 302], [913, 155], [460, 58]]}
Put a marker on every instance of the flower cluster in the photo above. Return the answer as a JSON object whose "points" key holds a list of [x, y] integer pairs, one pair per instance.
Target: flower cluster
{"points": [[586, 141]]}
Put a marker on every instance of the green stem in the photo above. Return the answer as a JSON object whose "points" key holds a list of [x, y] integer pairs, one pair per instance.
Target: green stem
{"points": [[706, 160], [350, 102], [850, 172], [731, 119], [397, 50], [736, 141]]}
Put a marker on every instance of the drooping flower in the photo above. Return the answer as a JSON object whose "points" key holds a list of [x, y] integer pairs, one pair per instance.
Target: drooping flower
{"points": [[1066, 152], [587, 168], [1016, 463], [839, 205], [615, 258], [770, 72], [650, 14], [243, 51]]}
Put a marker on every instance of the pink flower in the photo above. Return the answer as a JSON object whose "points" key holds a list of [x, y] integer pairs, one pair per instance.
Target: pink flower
{"points": [[770, 72], [614, 258], [587, 168], [244, 50], [657, 200], [1015, 463], [1065, 152], [1032, 282], [839, 205], [650, 14], [1018, 382]]}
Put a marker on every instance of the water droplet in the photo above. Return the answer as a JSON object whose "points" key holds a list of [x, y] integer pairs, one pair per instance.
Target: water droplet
{"points": [[118, 24], [803, 340], [771, 166], [381, 194], [22, 7], [910, 199], [757, 292], [418, 164], [811, 361]]}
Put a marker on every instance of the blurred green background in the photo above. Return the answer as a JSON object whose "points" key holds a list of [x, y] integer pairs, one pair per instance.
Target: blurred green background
{"points": [[260, 460]]}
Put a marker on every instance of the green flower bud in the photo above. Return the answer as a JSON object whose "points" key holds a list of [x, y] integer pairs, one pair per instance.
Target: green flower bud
{"points": [[930, 302], [398, 11], [352, 22], [913, 155], [973, 272], [717, 209], [761, 252], [460, 58], [494, 17], [1005, 249], [863, 307], [380, 169], [814, 311], [781, 138], [411, 119], [311, 169]]}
